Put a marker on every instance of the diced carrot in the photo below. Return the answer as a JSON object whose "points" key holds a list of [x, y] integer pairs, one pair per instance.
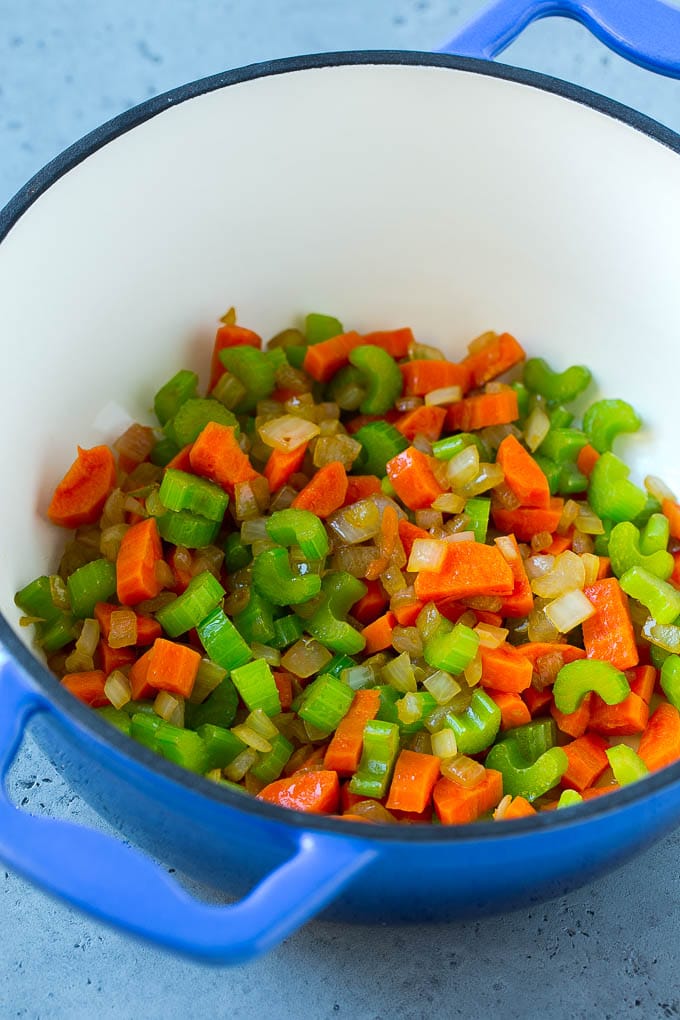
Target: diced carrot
{"points": [[660, 742], [395, 341], [87, 686], [378, 634], [521, 601], [326, 491], [495, 358], [140, 551], [349, 817], [523, 476], [587, 761], [141, 689], [323, 360], [427, 421], [598, 791], [587, 459], [361, 487], [172, 667], [415, 775], [514, 712], [410, 472], [182, 460], [534, 650], [148, 629], [675, 576], [642, 680], [609, 633], [469, 568], [282, 393], [504, 669], [456, 805], [370, 605], [229, 336], [537, 701], [574, 724], [315, 793], [560, 543], [282, 464], [284, 685], [80, 496], [671, 510], [527, 521], [629, 716], [486, 616], [408, 533], [217, 455], [114, 658], [344, 750], [387, 543], [605, 568], [483, 410], [424, 375], [519, 807], [406, 614]]}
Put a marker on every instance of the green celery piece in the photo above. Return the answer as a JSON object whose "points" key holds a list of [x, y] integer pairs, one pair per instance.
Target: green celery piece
{"points": [[274, 580], [346, 388], [254, 370], [477, 726], [577, 678], [327, 625], [203, 594], [257, 687], [562, 445], [183, 747], [521, 779], [568, 798], [670, 679], [222, 641], [551, 470], [229, 391], [338, 663], [299, 527], [193, 416], [141, 707], [296, 355], [92, 583], [478, 510], [36, 599], [380, 750], [625, 551], [272, 763], [652, 506], [522, 398], [173, 394], [256, 621], [571, 481], [116, 717], [277, 357], [451, 446], [181, 491], [236, 554], [163, 452], [321, 327], [144, 729], [287, 630], [659, 597], [657, 656], [380, 442], [180, 527], [556, 387], [534, 738], [381, 378], [610, 494], [655, 534], [560, 418], [451, 648], [602, 541], [389, 712], [57, 633], [626, 765], [218, 709], [325, 702], [221, 745], [606, 419]]}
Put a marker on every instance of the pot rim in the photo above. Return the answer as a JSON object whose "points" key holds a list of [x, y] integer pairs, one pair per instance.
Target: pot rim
{"points": [[80, 716]]}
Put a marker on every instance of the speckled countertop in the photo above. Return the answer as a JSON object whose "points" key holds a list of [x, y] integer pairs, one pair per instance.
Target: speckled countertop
{"points": [[607, 951]]}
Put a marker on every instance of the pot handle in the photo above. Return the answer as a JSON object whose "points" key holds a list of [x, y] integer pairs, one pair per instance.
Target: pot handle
{"points": [[115, 883], [646, 32]]}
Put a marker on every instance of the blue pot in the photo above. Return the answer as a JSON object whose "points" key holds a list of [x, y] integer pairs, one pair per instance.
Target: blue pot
{"points": [[299, 865]]}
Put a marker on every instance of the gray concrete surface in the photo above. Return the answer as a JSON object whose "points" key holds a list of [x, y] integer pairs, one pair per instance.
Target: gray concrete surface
{"points": [[609, 950]]}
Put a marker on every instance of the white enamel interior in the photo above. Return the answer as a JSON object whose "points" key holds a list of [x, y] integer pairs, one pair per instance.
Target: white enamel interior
{"points": [[387, 195]]}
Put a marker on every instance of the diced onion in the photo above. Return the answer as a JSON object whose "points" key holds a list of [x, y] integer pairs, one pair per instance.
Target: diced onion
{"points": [[123, 631], [501, 810], [657, 488], [546, 669], [428, 621], [408, 709], [505, 497], [666, 636], [407, 639], [237, 769], [591, 565], [482, 341], [288, 432], [373, 811], [305, 657], [428, 519], [253, 529], [81, 658], [462, 468], [464, 771], [490, 636], [270, 655], [336, 448], [421, 742], [449, 503], [540, 628], [444, 395], [426, 554], [538, 566], [567, 573], [399, 674], [570, 512], [209, 676], [117, 688], [358, 677], [507, 549], [587, 521], [581, 543], [356, 523], [473, 672], [169, 707], [444, 743], [441, 686], [489, 476], [536, 428], [251, 737], [424, 352], [259, 721], [541, 541], [569, 610]]}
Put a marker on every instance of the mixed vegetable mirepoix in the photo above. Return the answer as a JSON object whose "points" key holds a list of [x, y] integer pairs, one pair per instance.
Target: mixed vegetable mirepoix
{"points": [[363, 580]]}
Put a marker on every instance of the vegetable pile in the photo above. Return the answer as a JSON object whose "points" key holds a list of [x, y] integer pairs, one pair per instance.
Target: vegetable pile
{"points": [[360, 579]]}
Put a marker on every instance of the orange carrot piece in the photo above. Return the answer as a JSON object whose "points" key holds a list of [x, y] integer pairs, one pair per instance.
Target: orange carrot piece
{"points": [[379, 633], [172, 667], [413, 480], [587, 761], [407, 614], [587, 459], [469, 568], [370, 605], [114, 658], [421, 376], [284, 685], [642, 680], [630, 716], [139, 553], [80, 496], [560, 543], [574, 724], [605, 568], [427, 421], [598, 791], [323, 360], [495, 358], [483, 410], [217, 455], [315, 793], [675, 576], [514, 712], [395, 341], [87, 686], [527, 521], [415, 775], [521, 601], [456, 805], [229, 336], [282, 464], [182, 460], [343, 753], [148, 629], [534, 650], [523, 476], [326, 491], [408, 533], [609, 633], [537, 701], [519, 807], [361, 487], [504, 669], [671, 510], [141, 689], [660, 742]]}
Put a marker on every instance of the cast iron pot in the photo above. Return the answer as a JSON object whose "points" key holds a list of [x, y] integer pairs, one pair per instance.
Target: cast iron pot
{"points": [[442, 192]]}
